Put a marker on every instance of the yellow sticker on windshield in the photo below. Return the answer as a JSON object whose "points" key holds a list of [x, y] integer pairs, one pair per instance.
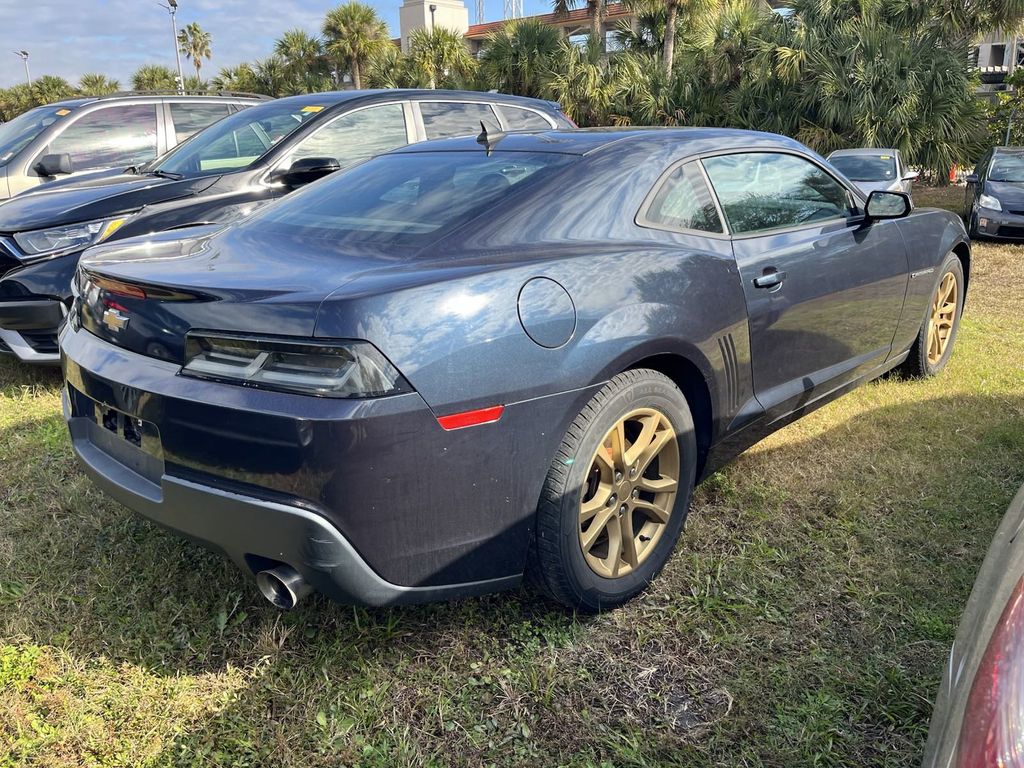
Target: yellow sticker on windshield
{"points": [[63, 112], [312, 108], [885, 157]]}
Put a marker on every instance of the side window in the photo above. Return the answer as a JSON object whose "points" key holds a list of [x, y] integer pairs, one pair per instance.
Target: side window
{"points": [[442, 119], [110, 137], [192, 118], [761, 191], [523, 119], [357, 135], [684, 202]]}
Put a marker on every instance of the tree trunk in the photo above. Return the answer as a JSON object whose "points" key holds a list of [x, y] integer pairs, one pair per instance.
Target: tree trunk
{"points": [[668, 50], [596, 8], [357, 74]]}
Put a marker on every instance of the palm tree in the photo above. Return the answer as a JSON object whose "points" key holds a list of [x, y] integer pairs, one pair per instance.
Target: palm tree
{"points": [[581, 82], [303, 56], [355, 34], [595, 13], [194, 43], [93, 84], [440, 55], [240, 78], [153, 77], [517, 56]]}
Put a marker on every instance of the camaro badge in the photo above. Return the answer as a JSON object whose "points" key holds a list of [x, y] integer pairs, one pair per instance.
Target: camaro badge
{"points": [[115, 320]]}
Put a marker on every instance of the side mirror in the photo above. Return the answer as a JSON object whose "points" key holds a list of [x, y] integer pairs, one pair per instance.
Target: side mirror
{"points": [[971, 178], [308, 169], [887, 205], [911, 175], [54, 165]]}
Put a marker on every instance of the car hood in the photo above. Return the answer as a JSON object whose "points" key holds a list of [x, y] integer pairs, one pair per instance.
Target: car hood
{"points": [[1009, 194], [230, 279], [95, 198]]}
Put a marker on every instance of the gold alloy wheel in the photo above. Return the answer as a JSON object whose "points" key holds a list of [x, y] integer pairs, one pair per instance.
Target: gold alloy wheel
{"points": [[629, 493], [940, 322]]}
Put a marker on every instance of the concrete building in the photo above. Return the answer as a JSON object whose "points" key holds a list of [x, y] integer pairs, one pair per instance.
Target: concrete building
{"points": [[997, 57]]}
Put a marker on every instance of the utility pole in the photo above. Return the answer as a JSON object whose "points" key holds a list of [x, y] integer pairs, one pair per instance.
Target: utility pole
{"points": [[433, 9], [172, 8], [24, 58]]}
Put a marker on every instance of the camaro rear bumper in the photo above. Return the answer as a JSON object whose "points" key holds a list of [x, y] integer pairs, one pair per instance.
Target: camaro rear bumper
{"points": [[371, 501], [255, 533]]}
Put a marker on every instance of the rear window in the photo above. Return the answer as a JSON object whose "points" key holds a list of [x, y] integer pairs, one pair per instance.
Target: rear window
{"points": [[407, 197], [519, 119], [866, 167]]}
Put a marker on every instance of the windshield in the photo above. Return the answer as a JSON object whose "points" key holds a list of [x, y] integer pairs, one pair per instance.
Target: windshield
{"points": [[1007, 166], [16, 134], [866, 167], [237, 141], [406, 198]]}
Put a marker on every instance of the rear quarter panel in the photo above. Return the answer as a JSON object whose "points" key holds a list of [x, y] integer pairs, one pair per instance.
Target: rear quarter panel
{"points": [[930, 234]]}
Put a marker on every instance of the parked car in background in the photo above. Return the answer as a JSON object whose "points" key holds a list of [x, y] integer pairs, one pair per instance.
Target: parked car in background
{"points": [[979, 713], [995, 195], [223, 173], [872, 169], [76, 135], [368, 387]]}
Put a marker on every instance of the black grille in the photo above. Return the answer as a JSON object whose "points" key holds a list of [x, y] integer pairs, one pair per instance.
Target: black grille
{"points": [[43, 342], [1011, 232]]}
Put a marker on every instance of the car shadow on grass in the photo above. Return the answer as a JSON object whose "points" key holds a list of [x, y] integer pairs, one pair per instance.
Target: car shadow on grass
{"points": [[871, 506]]}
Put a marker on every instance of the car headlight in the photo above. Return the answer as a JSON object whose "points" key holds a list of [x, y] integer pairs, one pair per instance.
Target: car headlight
{"points": [[987, 201], [46, 243], [344, 369]]}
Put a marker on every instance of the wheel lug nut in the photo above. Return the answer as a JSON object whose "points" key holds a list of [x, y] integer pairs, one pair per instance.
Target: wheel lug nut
{"points": [[612, 500], [622, 509], [618, 477], [636, 493]]}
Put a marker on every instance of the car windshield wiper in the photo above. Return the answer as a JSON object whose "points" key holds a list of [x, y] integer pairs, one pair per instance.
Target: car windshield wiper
{"points": [[165, 174]]}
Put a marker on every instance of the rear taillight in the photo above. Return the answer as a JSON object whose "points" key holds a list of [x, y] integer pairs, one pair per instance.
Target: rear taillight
{"points": [[992, 733]]}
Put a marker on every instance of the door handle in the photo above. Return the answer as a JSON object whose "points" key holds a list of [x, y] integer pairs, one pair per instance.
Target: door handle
{"points": [[769, 279]]}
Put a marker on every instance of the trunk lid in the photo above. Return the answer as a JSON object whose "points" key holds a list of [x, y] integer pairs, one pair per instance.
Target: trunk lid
{"points": [[145, 294]]}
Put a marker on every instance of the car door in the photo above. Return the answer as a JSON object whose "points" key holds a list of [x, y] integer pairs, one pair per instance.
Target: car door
{"points": [[190, 117], [824, 290], [104, 137], [356, 135]]}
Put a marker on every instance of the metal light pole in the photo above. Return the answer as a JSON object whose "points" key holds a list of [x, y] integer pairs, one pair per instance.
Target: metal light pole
{"points": [[172, 8], [432, 9], [24, 58]]}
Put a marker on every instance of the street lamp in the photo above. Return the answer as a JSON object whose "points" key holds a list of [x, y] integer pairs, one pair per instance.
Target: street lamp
{"points": [[172, 7], [24, 57], [432, 9]]}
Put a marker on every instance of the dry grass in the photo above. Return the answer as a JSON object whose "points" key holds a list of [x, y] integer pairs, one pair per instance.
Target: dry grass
{"points": [[803, 621]]}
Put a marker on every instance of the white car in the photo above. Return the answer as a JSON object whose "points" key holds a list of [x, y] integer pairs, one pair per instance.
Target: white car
{"points": [[872, 169]]}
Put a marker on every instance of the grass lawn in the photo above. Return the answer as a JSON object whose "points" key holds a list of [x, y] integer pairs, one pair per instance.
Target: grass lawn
{"points": [[803, 621]]}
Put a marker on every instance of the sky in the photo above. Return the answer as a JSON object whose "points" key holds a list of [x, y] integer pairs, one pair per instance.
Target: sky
{"points": [[114, 37]]}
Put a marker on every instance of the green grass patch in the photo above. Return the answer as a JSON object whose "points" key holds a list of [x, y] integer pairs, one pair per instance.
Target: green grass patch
{"points": [[804, 619]]}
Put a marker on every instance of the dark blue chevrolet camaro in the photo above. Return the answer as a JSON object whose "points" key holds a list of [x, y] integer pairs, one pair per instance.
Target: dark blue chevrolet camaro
{"points": [[473, 360]]}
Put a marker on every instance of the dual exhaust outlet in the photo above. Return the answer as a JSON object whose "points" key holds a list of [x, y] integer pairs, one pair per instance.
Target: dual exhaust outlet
{"points": [[283, 586]]}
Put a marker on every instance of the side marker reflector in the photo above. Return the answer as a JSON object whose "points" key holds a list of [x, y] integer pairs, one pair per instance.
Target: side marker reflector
{"points": [[471, 418]]}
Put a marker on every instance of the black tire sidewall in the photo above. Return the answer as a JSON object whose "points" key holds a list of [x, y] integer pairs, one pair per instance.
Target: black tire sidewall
{"points": [[654, 391]]}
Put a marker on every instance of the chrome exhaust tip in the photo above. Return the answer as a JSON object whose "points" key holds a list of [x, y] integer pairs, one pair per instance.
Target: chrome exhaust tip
{"points": [[283, 586]]}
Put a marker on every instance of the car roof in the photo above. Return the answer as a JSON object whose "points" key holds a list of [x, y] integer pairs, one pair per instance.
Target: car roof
{"points": [[83, 100], [584, 141], [868, 151], [1009, 150]]}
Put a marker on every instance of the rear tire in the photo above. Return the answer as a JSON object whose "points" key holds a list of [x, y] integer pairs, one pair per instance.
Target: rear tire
{"points": [[619, 457], [933, 346]]}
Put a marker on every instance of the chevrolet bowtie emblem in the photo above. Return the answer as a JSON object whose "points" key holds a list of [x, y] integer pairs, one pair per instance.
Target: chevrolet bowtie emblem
{"points": [[115, 320]]}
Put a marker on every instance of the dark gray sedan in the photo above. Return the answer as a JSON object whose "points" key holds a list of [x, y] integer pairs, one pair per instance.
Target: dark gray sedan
{"points": [[471, 360], [979, 713]]}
